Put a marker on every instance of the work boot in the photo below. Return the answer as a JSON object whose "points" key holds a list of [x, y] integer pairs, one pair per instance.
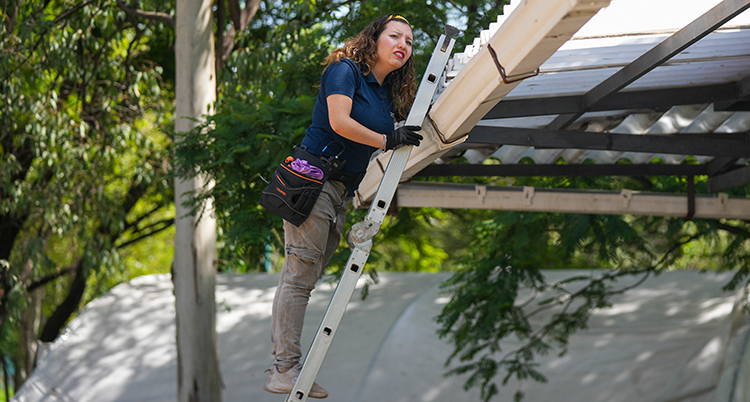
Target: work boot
{"points": [[283, 382]]}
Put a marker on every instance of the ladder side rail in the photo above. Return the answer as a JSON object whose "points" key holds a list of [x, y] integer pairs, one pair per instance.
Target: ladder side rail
{"points": [[399, 158]]}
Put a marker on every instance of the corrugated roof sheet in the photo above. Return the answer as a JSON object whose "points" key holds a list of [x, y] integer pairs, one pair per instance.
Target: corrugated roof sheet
{"points": [[615, 37]]}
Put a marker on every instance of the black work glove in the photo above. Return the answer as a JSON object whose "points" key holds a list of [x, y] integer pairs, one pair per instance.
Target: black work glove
{"points": [[402, 136]]}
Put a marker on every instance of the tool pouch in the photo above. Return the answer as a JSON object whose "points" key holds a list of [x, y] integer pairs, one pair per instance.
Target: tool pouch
{"points": [[291, 194]]}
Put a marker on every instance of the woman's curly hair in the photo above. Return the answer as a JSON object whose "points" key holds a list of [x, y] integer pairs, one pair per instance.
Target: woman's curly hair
{"points": [[363, 50]]}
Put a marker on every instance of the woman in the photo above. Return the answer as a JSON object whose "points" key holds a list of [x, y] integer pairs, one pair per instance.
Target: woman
{"points": [[367, 86]]}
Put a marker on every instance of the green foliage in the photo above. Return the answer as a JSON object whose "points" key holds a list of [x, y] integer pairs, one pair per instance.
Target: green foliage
{"points": [[245, 143], [427, 19], [412, 245], [423, 240], [268, 89]]}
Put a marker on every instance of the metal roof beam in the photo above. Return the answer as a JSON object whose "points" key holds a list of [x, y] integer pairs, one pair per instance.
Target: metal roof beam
{"points": [[729, 180], [681, 40], [652, 99], [720, 165], [469, 196], [739, 105], [743, 88], [731, 145], [588, 170]]}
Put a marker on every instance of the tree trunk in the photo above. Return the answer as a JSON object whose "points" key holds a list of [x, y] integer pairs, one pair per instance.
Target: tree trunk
{"points": [[29, 323], [6, 386], [29, 327], [194, 269], [69, 305]]}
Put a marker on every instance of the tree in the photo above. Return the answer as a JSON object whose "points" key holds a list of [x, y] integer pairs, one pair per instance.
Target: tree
{"points": [[194, 267], [84, 169]]}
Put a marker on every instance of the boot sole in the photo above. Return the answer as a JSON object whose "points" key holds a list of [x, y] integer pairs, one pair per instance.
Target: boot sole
{"points": [[275, 391]]}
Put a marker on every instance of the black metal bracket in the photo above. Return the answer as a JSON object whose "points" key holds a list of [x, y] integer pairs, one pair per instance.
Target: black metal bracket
{"points": [[441, 136], [450, 33], [690, 198], [508, 79]]}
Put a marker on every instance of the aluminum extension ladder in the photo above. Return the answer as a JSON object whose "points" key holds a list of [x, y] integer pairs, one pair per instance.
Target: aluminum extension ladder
{"points": [[361, 233]]}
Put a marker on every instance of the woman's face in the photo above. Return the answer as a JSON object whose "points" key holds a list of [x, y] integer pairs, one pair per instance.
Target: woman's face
{"points": [[394, 46]]}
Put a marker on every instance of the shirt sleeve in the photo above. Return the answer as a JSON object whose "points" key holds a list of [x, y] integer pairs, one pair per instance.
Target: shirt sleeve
{"points": [[341, 78]]}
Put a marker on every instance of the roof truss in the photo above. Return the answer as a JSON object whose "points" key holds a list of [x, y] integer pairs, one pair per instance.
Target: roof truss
{"points": [[662, 99], [449, 127], [729, 145], [545, 25]]}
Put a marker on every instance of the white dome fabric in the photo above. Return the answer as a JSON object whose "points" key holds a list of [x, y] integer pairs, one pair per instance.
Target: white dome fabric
{"points": [[677, 337]]}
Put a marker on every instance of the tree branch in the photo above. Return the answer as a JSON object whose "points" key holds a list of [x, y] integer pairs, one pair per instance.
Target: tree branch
{"points": [[11, 15], [140, 219], [149, 15], [733, 230], [49, 278], [69, 305], [251, 7], [235, 12], [244, 17], [68, 13], [167, 223]]}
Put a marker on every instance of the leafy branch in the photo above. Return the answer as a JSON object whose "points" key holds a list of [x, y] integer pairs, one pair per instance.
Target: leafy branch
{"points": [[483, 313], [149, 15]]}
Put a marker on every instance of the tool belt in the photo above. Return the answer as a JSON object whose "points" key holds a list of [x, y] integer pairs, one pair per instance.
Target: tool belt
{"points": [[292, 195]]}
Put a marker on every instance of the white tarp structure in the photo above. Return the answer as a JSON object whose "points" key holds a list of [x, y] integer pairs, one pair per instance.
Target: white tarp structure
{"points": [[678, 338]]}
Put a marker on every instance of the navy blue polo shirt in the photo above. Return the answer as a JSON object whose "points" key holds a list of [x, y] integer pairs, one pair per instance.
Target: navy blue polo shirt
{"points": [[371, 107]]}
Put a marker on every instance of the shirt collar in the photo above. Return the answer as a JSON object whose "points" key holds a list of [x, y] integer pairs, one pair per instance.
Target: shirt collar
{"points": [[370, 79]]}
